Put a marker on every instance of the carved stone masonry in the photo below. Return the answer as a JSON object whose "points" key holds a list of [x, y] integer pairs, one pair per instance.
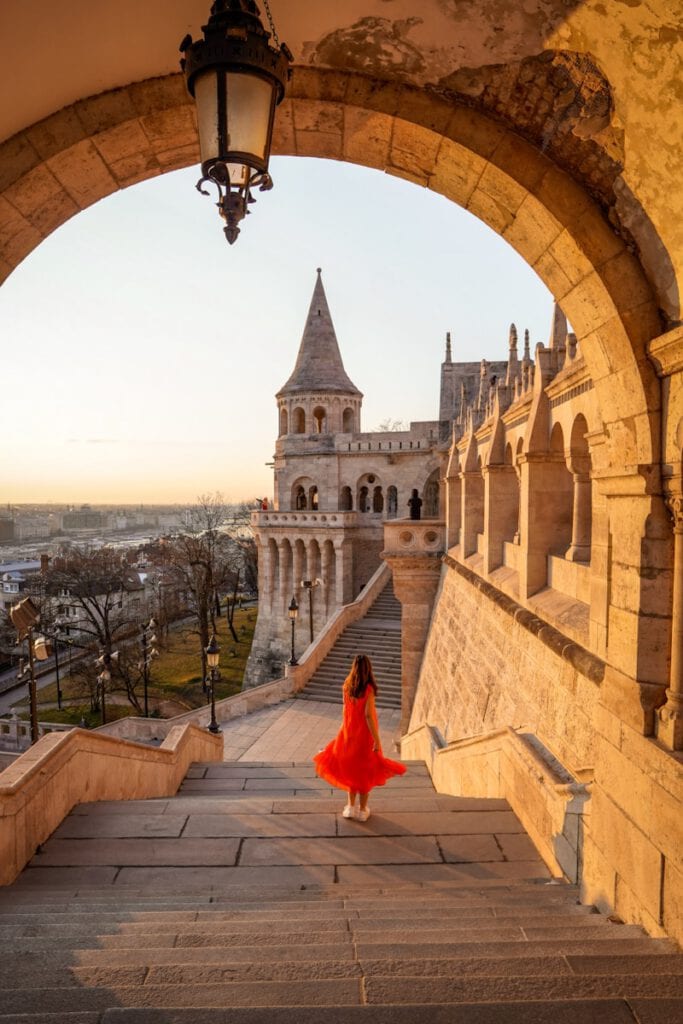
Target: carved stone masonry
{"points": [[670, 724]]}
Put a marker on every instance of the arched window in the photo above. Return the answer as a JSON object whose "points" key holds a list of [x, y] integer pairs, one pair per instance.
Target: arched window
{"points": [[363, 504], [346, 500], [283, 421], [392, 502], [563, 495], [430, 508], [347, 421], [313, 498], [377, 500], [320, 420], [298, 421], [580, 466], [299, 498]]}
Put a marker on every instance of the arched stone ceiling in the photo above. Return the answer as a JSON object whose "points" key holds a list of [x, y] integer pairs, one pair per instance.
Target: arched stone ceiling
{"points": [[595, 84]]}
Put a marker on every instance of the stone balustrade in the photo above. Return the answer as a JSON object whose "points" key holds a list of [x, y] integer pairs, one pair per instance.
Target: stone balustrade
{"points": [[414, 537], [61, 770], [15, 733], [319, 520], [499, 764]]}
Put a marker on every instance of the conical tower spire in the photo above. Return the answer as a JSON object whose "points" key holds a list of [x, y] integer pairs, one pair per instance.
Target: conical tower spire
{"points": [[319, 365]]}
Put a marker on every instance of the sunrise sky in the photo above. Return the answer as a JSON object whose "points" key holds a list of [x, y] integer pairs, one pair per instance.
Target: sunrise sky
{"points": [[141, 353]]}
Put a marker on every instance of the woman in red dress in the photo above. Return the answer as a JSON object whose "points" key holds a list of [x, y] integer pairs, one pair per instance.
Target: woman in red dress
{"points": [[354, 759]]}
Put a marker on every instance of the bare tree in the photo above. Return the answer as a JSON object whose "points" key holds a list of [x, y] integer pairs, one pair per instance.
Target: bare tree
{"points": [[203, 559], [389, 425], [94, 584]]}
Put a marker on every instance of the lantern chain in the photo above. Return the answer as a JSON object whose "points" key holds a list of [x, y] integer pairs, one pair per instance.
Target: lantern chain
{"points": [[272, 25]]}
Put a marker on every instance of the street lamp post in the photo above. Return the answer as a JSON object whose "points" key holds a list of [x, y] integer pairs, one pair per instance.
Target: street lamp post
{"points": [[104, 662], [293, 612], [212, 658], [24, 616], [309, 585], [149, 651]]}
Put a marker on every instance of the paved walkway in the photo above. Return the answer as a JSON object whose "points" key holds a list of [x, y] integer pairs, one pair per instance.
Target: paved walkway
{"points": [[294, 731]]}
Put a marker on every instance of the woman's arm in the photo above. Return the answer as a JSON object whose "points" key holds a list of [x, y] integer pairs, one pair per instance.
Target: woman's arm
{"points": [[371, 719]]}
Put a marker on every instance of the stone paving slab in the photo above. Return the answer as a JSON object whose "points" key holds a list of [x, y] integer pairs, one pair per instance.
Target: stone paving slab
{"points": [[266, 825], [598, 1011], [121, 826], [464, 874], [396, 823], [218, 878], [379, 804], [557, 947], [108, 807], [70, 852], [196, 803], [51, 1018], [655, 1011], [494, 989], [371, 850], [465, 849], [219, 954], [341, 992]]}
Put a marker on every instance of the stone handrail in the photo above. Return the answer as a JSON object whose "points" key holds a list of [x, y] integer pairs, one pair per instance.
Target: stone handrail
{"points": [[502, 764], [61, 770], [316, 652], [152, 729]]}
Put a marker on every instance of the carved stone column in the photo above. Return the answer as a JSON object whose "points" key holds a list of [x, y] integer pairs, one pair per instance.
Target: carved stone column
{"points": [[580, 549], [414, 551], [670, 723]]}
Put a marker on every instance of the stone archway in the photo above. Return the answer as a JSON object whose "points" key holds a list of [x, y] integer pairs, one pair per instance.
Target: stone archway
{"points": [[107, 142]]}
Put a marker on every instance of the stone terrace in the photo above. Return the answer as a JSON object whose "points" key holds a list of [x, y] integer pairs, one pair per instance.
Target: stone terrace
{"points": [[248, 897]]}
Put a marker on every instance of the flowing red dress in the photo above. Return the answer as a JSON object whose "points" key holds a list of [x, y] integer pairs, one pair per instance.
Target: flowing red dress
{"points": [[348, 761]]}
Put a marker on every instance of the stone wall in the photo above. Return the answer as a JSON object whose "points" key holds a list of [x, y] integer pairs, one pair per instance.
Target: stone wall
{"points": [[488, 664]]}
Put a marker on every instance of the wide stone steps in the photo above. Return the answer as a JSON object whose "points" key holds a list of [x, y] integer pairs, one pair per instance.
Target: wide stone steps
{"points": [[248, 898], [377, 634]]}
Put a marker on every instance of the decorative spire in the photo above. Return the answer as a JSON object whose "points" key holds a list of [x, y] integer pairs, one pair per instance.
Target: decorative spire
{"points": [[449, 358], [319, 365], [558, 329], [513, 362], [527, 354]]}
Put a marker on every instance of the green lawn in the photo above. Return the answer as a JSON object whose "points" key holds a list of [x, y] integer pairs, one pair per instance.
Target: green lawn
{"points": [[175, 683]]}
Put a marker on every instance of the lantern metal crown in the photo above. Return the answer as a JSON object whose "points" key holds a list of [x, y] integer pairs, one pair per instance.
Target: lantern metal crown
{"points": [[237, 78]]}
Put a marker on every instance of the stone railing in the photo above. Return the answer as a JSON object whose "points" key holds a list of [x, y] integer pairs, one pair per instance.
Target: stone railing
{"points": [[15, 733], [515, 766], [152, 730], [313, 656], [41, 787], [414, 537], [319, 520]]}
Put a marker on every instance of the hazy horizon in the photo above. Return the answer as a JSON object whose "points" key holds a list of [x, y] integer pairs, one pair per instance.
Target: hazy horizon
{"points": [[142, 353]]}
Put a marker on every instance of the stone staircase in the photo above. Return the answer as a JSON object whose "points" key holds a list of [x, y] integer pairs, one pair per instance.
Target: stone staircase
{"points": [[248, 898], [377, 634]]}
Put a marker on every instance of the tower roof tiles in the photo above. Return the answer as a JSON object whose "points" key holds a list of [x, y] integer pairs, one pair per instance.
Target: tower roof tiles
{"points": [[319, 365]]}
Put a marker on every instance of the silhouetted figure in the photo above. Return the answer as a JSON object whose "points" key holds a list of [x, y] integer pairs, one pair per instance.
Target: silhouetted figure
{"points": [[415, 504]]}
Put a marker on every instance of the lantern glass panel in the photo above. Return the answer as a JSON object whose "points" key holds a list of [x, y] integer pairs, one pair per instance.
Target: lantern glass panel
{"points": [[239, 174], [206, 96], [249, 105]]}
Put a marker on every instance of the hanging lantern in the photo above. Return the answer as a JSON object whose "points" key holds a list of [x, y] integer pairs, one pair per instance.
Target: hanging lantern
{"points": [[237, 79]]}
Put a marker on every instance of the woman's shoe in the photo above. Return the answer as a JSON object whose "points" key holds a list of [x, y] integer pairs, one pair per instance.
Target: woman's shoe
{"points": [[349, 811], [363, 814]]}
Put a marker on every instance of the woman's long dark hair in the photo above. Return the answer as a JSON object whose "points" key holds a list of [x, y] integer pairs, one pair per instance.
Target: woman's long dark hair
{"points": [[360, 677]]}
